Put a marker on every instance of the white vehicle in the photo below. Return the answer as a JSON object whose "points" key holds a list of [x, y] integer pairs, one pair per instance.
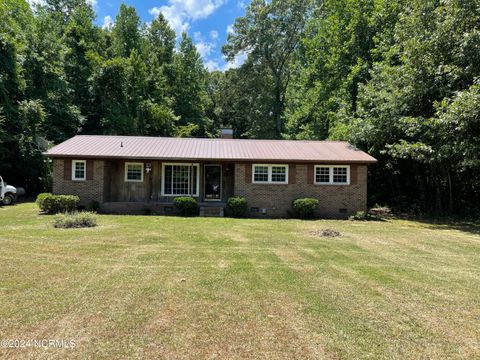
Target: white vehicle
{"points": [[8, 193]]}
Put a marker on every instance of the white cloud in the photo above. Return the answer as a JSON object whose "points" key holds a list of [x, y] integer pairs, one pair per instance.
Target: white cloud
{"points": [[230, 29], [93, 3], [237, 62], [242, 4], [180, 12], [214, 35], [107, 22], [212, 65], [204, 48], [197, 36], [175, 18]]}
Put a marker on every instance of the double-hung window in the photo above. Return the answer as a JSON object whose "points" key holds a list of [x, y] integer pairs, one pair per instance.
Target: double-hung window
{"points": [[79, 170], [180, 179], [270, 174], [332, 174], [133, 172]]}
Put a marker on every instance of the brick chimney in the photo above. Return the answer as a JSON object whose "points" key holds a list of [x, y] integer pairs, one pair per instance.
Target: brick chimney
{"points": [[226, 134]]}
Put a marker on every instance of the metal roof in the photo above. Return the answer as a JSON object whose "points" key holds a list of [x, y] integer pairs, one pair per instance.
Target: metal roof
{"points": [[141, 147]]}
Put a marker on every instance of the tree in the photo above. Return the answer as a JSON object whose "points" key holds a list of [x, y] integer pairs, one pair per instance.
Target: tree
{"points": [[80, 38], [406, 111], [244, 102], [161, 40], [45, 78], [335, 56], [111, 96], [155, 120], [126, 32], [189, 88], [32, 117], [270, 33]]}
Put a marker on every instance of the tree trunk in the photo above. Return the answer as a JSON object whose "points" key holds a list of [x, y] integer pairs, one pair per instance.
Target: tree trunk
{"points": [[438, 195], [450, 193], [278, 106]]}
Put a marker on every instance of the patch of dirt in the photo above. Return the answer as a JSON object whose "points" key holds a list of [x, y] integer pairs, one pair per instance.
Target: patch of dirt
{"points": [[326, 233]]}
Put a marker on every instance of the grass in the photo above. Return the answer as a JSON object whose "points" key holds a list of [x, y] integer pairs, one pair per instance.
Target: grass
{"points": [[168, 287]]}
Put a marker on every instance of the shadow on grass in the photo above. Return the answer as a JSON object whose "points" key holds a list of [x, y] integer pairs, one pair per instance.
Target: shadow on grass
{"points": [[472, 227]]}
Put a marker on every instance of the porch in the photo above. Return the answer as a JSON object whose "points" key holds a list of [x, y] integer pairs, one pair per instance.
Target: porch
{"points": [[143, 186]]}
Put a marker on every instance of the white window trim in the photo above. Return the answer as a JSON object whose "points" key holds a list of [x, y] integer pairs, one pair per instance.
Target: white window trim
{"points": [[126, 171], [331, 175], [270, 174], [184, 164], [74, 163]]}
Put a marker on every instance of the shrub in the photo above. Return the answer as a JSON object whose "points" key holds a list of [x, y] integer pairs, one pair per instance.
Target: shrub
{"points": [[304, 208], [52, 204], [75, 220], [366, 216], [41, 198], [93, 205], [360, 216], [186, 205], [237, 206]]}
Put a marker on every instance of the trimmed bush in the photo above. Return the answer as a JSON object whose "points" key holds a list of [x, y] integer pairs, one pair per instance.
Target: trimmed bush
{"points": [[237, 206], [75, 220], [41, 198], [53, 204], [186, 205], [304, 208]]}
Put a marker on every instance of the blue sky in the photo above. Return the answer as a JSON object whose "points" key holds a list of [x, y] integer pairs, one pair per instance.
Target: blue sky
{"points": [[207, 22]]}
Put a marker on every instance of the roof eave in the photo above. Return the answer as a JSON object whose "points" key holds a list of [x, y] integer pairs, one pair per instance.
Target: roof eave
{"points": [[339, 161]]}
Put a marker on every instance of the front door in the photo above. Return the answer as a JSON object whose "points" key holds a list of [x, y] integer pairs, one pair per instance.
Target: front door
{"points": [[213, 183]]}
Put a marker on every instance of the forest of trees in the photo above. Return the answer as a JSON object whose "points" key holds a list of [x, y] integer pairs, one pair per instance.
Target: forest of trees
{"points": [[399, 79]]}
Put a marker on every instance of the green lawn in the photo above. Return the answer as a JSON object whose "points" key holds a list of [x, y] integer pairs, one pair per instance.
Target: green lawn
{"points": [[167, 287]]}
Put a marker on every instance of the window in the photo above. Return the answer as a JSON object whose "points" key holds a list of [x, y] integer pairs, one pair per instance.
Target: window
{"points": [[332, 174], [270, 174], [133, 172], [322, 175], [279, 174], [340, 175], [79, 169], [260, 174], [180, 179]]}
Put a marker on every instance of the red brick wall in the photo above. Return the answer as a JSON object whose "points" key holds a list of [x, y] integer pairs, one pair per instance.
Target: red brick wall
{"points": [[88, 190], [277, 198]]}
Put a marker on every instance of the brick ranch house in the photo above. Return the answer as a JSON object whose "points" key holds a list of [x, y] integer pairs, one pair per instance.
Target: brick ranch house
{"points": [[133, 174]]}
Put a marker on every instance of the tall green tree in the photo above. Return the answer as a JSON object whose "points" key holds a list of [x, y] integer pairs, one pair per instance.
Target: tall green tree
{"points": [[243, 101], [126, 32], [161, 41], [110, 91], [46, 80], [189, 89], [335, 56], [80, 38], [434, 59], [270, 33]]}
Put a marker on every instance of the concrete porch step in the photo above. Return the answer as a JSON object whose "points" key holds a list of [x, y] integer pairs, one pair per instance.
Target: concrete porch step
{"points": [[211, 211]]}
